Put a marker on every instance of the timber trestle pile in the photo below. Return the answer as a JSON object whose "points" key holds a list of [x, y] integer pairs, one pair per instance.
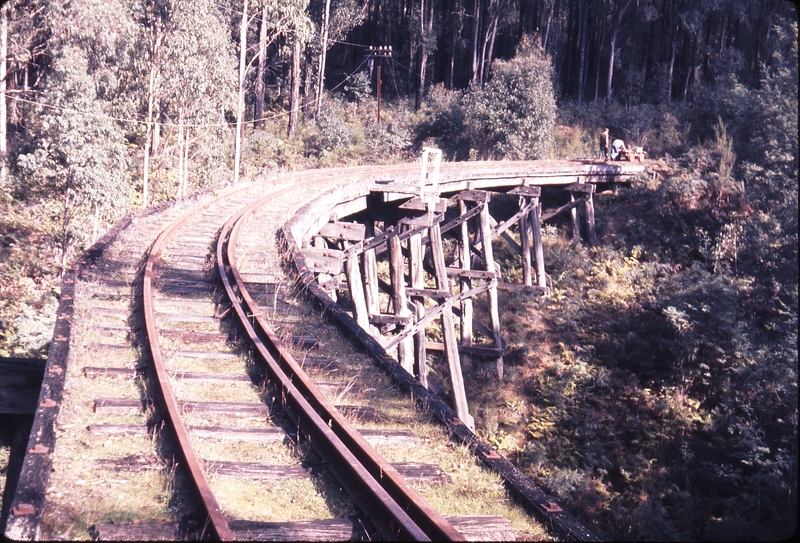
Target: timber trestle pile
{"points": [[192, 385]]}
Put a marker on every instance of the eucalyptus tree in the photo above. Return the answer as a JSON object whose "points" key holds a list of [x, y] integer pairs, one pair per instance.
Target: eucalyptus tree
{"points": [[334, 18], [513, 116], [3, 105], [80, 156], [191, 85], [23, 36]]}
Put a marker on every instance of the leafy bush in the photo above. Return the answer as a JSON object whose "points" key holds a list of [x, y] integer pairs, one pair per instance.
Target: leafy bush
{"points": [[574, 143], [513, 116], [443, 124]]}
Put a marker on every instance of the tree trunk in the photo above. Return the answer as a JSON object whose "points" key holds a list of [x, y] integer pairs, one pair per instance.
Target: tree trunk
{"points": [[294, 102], [262, 68], [240, 105], [306, 94], [599, 49], [582, 57], [156, 134], [180, 153], [671, 69], [323, 57], [611, 64], [3, 87], [547, 29], [475, 39], [65, 234], [424, 28], [487, 62], [186, 162], [151, 85], [692, 67]]}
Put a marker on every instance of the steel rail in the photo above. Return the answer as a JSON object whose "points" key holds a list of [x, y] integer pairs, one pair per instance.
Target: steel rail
{"points": [[216, 520], [172, 413], [376, 487]]}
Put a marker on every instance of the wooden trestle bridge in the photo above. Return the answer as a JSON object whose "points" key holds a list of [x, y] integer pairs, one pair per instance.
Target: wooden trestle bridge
{"points": [[398, 257], [337, 258]]}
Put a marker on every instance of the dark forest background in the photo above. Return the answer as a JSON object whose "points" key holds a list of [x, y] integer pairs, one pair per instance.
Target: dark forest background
{"points": [[654, 391]]}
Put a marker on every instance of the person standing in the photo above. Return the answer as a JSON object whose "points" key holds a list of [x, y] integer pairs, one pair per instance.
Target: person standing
{"points": [[604, 137]]}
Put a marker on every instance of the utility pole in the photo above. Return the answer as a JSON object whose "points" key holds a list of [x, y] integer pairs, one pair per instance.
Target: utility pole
{"points": [[379, 53]]}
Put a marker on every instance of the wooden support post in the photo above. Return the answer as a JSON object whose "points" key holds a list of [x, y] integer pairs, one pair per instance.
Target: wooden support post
{"points": [[590, 220], [418, 282], [587, 189], [526, 249], [576, 225], [536, 229], [528, 219], [322, 278], [465, 285], [405, 350], [360, 311], [369, 265], [488, 257], [449, 330]]}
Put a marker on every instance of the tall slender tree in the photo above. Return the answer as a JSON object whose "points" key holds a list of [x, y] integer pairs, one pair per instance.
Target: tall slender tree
{"points": [[240, 88], [3, 103], [80, 156], [194, 82]]}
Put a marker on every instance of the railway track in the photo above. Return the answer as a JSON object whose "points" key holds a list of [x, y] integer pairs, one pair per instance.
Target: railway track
{"points": [[207, 396]]}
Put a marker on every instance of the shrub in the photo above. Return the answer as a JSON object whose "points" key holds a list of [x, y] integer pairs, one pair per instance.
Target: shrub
{"points": [[443, 124], [513, 116]]}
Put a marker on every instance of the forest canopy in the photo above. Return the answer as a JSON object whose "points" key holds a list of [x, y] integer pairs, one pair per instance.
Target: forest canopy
{"points": [[654, 392]]}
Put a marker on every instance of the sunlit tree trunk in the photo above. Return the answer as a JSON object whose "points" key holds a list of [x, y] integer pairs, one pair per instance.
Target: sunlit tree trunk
{"points": [[307, 87], [323, 58], [611, 64], [95, 222], [423, 57], [3, 105], [186, 163], [262, 69], [476, 17], [240, 103], [584, 15], [180, 153], [294, 102], [151, 83], [598, 68], [487, 62], [670, 70]]}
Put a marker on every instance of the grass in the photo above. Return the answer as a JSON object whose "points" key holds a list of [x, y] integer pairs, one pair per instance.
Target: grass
{"points": [[5, 453], [80, 494], [280, 501], [472, 483]]}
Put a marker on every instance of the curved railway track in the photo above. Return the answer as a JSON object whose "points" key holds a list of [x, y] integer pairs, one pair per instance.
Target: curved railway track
{"points": [[222, 350]]}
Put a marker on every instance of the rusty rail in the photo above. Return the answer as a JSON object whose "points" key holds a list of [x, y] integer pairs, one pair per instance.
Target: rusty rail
{"points": [[216, 520], [393, 507]]}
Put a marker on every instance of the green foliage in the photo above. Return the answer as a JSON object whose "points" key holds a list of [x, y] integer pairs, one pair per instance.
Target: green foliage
{"points": [[195, 84], [81, 154], [338, 137], [658, 129], [358, 87], [29, 270], [513, 116], [443, 124], [574, 143]]}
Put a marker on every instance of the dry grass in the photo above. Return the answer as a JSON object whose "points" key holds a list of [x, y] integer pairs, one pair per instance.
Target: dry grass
{"points": [[281, 501], [475, 490], [5, 452]]}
